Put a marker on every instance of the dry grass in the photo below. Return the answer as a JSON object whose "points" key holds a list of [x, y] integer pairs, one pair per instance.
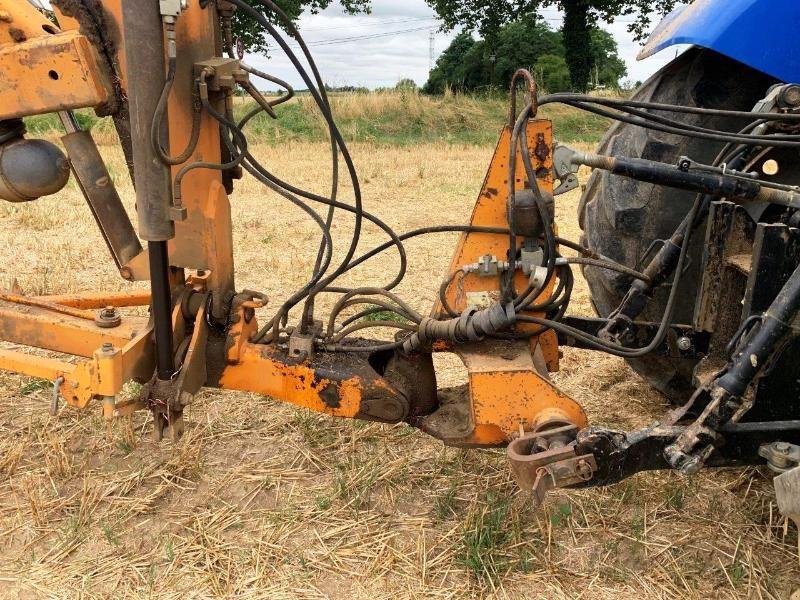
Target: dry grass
{"points": [[260, 500]]}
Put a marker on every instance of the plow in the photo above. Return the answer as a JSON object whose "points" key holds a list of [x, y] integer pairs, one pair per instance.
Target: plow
{"points": [[691, 248]]}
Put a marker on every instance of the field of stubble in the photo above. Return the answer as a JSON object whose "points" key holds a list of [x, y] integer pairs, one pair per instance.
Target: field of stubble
{"points": [[260, 500]]}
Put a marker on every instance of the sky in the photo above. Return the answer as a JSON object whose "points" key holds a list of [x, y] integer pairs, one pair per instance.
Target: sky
{"points": [[394, 43]]}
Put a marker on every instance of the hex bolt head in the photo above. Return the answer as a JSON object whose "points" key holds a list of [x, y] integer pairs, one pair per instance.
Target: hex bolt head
{"points": [[684, 344]]}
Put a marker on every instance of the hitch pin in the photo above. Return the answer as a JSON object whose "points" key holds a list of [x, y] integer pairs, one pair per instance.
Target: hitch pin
{"points": [[54, 400]]}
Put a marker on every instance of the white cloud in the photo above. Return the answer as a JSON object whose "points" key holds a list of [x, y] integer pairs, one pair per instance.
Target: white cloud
{"points": [[382, 61]]}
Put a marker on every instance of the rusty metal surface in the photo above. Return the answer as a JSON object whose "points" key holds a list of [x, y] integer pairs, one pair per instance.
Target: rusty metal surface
{"points": [[506, 393], [42, 328], [47, 305], [533, 94], [144, 46], [20, 21], [50, 74], [101, 195], [99, 300], [545, 460], [506, 389]]}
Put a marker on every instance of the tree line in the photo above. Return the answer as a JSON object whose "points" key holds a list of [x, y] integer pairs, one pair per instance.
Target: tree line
{"points": [[489, 20], [473, 65]]}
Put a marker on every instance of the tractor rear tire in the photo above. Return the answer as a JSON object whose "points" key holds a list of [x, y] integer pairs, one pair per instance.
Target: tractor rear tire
{"points": [[621, 217]]}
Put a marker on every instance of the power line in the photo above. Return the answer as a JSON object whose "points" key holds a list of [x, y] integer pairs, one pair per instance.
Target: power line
{"points": [[359, 38], [370, 23]]}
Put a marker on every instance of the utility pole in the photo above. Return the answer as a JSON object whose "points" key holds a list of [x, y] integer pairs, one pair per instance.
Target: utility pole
{"points": [[432, 54]]}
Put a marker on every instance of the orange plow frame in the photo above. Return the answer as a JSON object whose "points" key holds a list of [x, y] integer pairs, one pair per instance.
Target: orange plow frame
{"points": [[509, 390]]}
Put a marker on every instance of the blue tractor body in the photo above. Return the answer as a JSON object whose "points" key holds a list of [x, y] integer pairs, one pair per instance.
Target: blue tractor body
{"points": [[759, 33]]}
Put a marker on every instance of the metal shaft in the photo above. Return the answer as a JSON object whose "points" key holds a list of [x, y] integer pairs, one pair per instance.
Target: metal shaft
{"points": [[162, 308], [145, 55], [144, 52]]}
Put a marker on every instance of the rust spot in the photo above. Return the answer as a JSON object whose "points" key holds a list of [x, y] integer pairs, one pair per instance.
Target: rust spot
{"points": [[330, 396], [17, 34], [542, 150]]}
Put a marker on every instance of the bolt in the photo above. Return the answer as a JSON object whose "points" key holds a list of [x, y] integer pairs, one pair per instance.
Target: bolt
{"points": [[108, 318], [684, 344], [791, 95], [5, 16], [126, 273], [584, 470], [770, 167], [783, 448], [108, 347]]}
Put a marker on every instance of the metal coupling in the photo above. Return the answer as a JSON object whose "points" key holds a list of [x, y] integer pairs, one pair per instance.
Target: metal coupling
{"points": [[487, 266], [780, 456]]}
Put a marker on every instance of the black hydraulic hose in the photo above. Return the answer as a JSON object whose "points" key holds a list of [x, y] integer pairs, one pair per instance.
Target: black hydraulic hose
{"points": [[290, 93], [623, 351], [232, 164], [559, 97], [395, 239], [716, 137], [298, 296], [158, 119], [688, 126], [324, 108]]}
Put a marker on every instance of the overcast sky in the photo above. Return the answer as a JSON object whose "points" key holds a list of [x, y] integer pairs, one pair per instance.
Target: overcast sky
{"points": [[395, 43]]}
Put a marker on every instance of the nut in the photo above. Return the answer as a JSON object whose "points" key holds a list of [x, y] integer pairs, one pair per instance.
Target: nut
{"points": [[108, 318]]}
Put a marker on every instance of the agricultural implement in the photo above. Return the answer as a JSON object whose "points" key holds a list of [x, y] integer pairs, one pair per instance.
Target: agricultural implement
{"points": [[691, 249]]}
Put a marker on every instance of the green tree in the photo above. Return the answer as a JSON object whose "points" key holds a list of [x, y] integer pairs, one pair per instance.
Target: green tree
{"points": [[606, 65], [520, 44], [406, 85], [552, 73], [450, 67], [467, 65], [580, 18], [251, 33]]}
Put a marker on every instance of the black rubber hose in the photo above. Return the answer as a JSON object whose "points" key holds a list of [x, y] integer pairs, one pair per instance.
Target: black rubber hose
{"points": [[158, 119]]}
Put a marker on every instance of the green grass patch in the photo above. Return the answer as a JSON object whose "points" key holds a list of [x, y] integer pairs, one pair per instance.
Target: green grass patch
{"points": [[385, 118], [375, 313], [485, 536]]}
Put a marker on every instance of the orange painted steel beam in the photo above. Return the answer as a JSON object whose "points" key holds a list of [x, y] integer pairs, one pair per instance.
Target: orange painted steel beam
{"points": [[41, 328], [103, 375], [91, 301], [509, 388], [48, 73]]}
